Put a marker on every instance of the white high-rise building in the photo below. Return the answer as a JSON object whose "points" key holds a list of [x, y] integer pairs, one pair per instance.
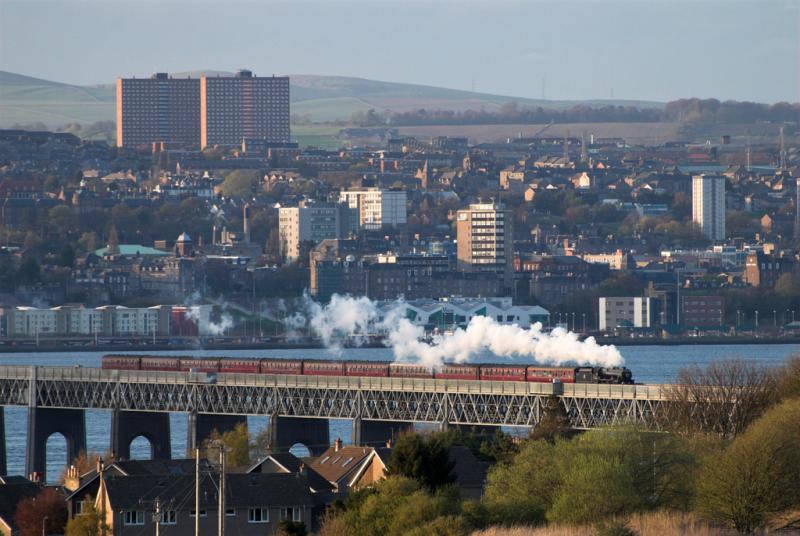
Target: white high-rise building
{"points": [[376, 207], [708, 205], [313, 223], [486, 239]]}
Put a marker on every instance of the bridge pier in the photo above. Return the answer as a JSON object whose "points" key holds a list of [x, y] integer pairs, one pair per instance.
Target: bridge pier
{"points": [[3, 466], [128, 425], [201, 425], [284, 432], [377, 433], [44, 422]]}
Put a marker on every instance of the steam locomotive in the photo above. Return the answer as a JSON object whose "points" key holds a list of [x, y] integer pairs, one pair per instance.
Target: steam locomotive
{"points": [[316, 367]]}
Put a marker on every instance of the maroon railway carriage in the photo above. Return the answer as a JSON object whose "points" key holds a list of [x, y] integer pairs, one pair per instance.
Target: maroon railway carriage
{"points": [[503, 373], [367, 368], [548, 374], [120, 362], [250, 366], [161, 363], [457, 372], [404, 370], [323, 368], [199, 365], [281, 366]]}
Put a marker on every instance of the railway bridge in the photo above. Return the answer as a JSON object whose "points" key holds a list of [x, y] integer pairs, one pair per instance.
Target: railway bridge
{"points": [[298, 406]]}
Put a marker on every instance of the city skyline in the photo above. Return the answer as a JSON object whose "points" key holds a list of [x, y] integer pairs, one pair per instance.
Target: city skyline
{"points": [[576, 50]]}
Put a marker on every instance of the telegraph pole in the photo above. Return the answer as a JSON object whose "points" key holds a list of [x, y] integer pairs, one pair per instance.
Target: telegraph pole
{"points": [[157, 517], [221, 528], [196, 492]]}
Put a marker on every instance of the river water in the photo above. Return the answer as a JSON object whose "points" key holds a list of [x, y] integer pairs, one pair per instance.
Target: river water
{"points": [[650, 364]]}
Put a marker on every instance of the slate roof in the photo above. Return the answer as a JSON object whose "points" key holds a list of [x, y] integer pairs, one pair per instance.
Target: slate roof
{"points": [[294, 465], [241, 490], [335, 465]]}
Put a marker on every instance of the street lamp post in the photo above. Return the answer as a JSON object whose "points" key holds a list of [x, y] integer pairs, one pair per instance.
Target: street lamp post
{"points": [[44, 525], [756, 319], [584, 322], [774, 319]]}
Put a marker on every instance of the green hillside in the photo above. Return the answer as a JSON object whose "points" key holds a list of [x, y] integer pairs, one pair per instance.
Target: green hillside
{"points": [[26, 100]]}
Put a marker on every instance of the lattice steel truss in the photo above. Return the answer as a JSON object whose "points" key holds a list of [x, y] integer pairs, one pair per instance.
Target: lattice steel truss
{"points": [[382, 399]]}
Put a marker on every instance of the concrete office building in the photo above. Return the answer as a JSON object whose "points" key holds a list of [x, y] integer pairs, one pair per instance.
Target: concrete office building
{"points": [[485, 239], [376, 207], [708, 205], [158, 109], [233, 108], [309, 223], [626, 312]]}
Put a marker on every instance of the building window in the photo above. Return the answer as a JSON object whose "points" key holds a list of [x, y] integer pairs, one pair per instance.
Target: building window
{"points": [[169, 517], [202, 513], [295, 514], [134, 517], [230, 512], [258, 515]]}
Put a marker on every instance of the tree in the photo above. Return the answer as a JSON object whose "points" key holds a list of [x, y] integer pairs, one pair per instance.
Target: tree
{"points": [[66, 257], [787, 286], [399, 506], [88, 523], [757, 475], [601, 473], [236, 442], [29, 272], [62, 219], [46, 513], [423, 459], [287, 527], [88, 242], [555, 421], [724, 398], [239, 183], [521, 492], [87, 461]]}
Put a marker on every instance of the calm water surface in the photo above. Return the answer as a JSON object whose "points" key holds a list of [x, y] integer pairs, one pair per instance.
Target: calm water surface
{"points": [[650, 364]]}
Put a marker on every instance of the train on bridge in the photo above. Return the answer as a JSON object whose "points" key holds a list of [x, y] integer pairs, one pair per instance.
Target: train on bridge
{"points": [[319, 367]]}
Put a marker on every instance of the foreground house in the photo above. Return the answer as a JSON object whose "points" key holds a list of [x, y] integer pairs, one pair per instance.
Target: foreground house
{"points": [[255, 503]]}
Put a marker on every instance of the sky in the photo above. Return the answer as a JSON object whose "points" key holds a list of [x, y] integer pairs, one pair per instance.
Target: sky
{"points": [[569, 49]]}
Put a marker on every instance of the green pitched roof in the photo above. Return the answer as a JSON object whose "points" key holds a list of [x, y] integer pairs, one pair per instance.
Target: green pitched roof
{"points": [[131, 250]]}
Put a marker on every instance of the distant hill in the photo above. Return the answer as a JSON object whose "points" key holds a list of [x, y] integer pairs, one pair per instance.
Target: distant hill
{"points": [[26, 100]]}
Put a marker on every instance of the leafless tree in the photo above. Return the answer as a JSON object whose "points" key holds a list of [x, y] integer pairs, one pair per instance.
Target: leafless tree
{"points": [[722, 398]]}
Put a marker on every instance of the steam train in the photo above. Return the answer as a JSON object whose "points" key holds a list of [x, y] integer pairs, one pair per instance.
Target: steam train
{"points": [[314, 367]]}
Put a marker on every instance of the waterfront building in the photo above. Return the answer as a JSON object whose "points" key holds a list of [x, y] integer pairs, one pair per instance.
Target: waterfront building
{"points": [[626, 312], [447, 314]]}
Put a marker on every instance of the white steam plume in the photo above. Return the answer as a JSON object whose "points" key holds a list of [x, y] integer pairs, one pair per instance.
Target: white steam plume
{"points": [[352, 319], [344, 319], [483, 334]]}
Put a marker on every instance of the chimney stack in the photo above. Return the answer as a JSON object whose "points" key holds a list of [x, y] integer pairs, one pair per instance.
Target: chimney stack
{"points": [[72, 480], [246, 223], [337, 445]]}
